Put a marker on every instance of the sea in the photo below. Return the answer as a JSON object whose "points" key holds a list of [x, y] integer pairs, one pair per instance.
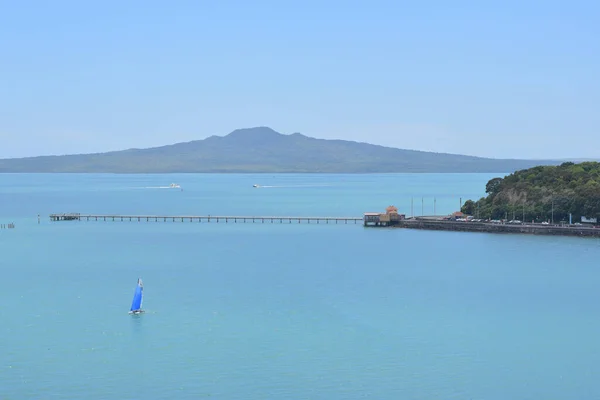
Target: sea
{"points": [[285, 311]]}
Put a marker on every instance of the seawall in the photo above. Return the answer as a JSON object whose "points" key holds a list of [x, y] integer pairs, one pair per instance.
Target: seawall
{"points": [[534, 229]]}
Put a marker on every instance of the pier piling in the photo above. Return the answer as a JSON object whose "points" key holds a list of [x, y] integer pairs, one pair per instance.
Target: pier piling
{"points": [[205, 218]]}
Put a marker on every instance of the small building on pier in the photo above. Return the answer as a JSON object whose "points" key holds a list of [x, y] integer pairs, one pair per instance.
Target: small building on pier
{"points": [[390, 217], [65, 217], [371, 218]]}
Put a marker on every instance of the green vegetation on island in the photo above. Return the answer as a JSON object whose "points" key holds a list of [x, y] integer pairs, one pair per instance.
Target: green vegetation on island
{"points": [[262, 150], [542, 193]]}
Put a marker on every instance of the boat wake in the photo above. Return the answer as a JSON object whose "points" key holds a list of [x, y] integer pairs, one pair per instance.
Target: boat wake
{"points": [[171, 186], [291, 186]]}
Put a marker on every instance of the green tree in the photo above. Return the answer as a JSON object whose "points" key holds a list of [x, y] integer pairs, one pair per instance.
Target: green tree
{"points": [[493, 186], [468, 208]]}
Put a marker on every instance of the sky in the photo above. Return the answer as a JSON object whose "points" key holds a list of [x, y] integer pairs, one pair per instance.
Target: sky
{"points": [[512, 79]]}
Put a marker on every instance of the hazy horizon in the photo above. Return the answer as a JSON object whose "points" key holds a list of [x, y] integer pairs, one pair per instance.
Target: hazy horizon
{"points": [[504, 81]]}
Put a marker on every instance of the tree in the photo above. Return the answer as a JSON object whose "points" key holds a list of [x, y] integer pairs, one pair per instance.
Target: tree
{"points": [[493, 186], [591, 208], [468, 208]]}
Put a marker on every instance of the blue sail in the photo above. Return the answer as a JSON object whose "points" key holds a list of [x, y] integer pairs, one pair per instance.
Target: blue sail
{"points": [[136, 304]]}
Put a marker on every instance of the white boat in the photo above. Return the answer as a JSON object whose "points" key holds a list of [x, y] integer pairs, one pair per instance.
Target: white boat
{"points": [[255, 186], [174, 186]]}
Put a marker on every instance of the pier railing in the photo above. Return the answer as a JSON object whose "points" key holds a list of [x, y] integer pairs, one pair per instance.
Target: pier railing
{"points": [[205, 218]]}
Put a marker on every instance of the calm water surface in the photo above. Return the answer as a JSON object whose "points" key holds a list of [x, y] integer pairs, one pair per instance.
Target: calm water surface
{"points": [[279, 311]]}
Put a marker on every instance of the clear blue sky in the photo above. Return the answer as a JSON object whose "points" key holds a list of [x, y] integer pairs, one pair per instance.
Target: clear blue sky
{"points": [[514, 79]]}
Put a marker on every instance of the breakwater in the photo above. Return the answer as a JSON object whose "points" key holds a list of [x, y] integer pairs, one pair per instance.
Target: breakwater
{"points": [[487, 227]]}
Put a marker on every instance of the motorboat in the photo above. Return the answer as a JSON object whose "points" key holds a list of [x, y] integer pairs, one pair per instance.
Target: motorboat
{"points": [[174, 186]]}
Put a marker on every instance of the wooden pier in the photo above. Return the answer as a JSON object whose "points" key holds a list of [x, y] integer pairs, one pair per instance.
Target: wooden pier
{"points": [[391, 218], [65, 217], [205, 218]]}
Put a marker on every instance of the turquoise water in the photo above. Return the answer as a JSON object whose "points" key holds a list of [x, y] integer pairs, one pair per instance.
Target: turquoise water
{"points": [[253, 311]]}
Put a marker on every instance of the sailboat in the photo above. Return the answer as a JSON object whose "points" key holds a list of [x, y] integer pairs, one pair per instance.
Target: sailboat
{"points": [[138, 296]]}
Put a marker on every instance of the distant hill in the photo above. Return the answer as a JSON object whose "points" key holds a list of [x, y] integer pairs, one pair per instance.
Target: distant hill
{"points": [[264, 150]]}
